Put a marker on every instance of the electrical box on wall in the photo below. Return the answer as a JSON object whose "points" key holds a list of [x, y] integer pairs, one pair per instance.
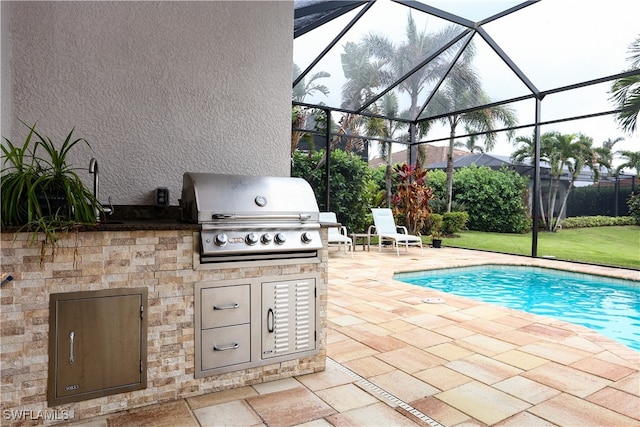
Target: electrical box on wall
{"points": [[162, 196]]}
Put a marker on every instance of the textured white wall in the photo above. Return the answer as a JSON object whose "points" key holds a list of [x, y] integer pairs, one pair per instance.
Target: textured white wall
{"points": [[157, 88]]}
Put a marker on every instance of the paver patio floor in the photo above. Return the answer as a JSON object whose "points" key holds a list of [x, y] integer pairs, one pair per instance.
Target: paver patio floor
{"points": [[396, 360]]}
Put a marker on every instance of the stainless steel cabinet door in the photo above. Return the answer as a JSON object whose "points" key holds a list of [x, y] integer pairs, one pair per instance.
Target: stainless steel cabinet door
{"points": [[99, 345], [288, 317]]}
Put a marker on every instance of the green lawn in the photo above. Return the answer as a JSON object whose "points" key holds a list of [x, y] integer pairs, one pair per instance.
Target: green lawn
{"points": [[615, 245]]}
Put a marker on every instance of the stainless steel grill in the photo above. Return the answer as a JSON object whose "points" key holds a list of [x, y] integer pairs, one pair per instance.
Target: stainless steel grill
{"points": [[247, 218]]}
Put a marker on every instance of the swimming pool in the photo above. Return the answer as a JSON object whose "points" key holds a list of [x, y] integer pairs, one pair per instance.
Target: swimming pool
{"points": [[609, 306]]}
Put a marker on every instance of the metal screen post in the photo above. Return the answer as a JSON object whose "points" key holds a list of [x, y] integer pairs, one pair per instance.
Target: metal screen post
{"points": [[536, 181], [327, 165]]}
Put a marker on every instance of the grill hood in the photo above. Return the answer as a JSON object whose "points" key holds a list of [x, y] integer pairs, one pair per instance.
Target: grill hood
{"points": [[217, 198]]}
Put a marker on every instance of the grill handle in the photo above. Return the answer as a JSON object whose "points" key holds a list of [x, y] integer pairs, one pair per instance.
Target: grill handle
{"points": [[299, 217]]}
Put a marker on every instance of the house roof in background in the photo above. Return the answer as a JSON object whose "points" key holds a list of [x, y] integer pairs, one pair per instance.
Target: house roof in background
{"points": [[434, 154]]}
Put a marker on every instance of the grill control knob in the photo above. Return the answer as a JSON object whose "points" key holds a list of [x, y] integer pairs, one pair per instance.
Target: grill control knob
{"points": [[221, 239], [306, 237], [251, 239], [266, 238], [280, 238]]}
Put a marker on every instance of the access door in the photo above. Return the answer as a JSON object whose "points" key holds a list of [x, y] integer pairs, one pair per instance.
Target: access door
{"points": [[98, 344], [288, 317]]}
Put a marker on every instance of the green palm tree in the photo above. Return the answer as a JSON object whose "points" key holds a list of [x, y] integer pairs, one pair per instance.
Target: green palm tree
{"points": [[525, 153], [471, 143], [609, 143], [606, 152], [363, 76], [386, 128], [562, 152], [626, 92], [398, 60], [299, 115], [577, 153], [631, 161], [462, 90]]}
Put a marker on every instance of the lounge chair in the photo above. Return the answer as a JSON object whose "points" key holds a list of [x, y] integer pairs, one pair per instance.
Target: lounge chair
{"points": [[337, 235], [387, 231]]}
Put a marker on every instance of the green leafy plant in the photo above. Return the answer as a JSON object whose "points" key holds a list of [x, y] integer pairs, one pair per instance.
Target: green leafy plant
{"points": [[634, 207], [435, 226], [495, 200], [348, 186], [41, 192], [453, 222]]}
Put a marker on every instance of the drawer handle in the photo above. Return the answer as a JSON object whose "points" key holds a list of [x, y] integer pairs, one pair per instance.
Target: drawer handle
{"points": [[226, 306], [228, 347], [71, 338]]}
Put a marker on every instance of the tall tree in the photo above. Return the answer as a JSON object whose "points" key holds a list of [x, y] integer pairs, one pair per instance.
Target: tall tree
{"points": [[526, 153], [577, 153], [363, 76], [606, 152], [566, 154], [398, 60], [631, 160], [463, 90], [299, 115], [386, 128], [471, 143], [626, 92]]}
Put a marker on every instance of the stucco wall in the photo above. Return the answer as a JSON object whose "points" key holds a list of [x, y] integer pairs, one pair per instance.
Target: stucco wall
{"points": [[157, 88]]}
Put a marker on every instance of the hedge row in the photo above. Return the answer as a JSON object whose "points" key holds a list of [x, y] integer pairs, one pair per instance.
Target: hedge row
{"points": [[597, 221]]}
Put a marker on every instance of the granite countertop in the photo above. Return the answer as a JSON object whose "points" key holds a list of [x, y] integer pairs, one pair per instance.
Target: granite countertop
{"points": [[132, 218], [142, 224], [126, 225]]}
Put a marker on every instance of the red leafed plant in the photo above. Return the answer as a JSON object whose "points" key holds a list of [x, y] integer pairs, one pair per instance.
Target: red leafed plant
{"points": [[411, 201]]}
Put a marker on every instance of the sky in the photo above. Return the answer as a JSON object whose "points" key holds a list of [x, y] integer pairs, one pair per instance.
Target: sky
{"points": [[554, 42]]}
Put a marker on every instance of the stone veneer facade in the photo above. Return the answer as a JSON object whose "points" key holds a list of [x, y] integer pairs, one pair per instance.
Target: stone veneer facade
{"points": [[162, 261]]}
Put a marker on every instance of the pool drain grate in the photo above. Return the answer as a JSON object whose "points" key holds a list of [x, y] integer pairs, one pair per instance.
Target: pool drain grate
{"points": [[385, 394]]}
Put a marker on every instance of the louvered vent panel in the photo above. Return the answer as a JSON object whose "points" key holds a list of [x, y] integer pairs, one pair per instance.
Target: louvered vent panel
{"points": [[289, 317]]}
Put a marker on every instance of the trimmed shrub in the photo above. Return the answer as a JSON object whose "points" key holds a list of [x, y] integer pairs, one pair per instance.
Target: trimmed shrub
{"points": [[495, 200], [453, 222], [597, 221], [634, 206]]}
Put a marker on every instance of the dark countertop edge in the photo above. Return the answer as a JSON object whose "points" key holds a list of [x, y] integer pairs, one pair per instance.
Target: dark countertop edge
{"points": [[131, 225], [135, 225]]}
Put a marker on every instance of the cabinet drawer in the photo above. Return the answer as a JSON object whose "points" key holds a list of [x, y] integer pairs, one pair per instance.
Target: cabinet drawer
{"points": [[226, 346], [225, 306]]}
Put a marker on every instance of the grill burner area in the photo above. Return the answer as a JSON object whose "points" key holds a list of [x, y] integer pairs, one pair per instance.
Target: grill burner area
{"points": [[247, 218]]}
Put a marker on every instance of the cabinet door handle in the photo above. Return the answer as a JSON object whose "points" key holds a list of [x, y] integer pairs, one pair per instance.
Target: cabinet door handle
{"points": [[227, 347], [71, 338], [226, 306], [270, 320]]}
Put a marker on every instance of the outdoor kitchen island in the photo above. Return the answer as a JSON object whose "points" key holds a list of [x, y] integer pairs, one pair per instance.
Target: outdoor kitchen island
{"points": [[160, 257]]}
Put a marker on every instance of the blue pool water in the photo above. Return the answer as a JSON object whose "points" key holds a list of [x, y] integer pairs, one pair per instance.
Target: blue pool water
{"points": [[609, 306]]}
